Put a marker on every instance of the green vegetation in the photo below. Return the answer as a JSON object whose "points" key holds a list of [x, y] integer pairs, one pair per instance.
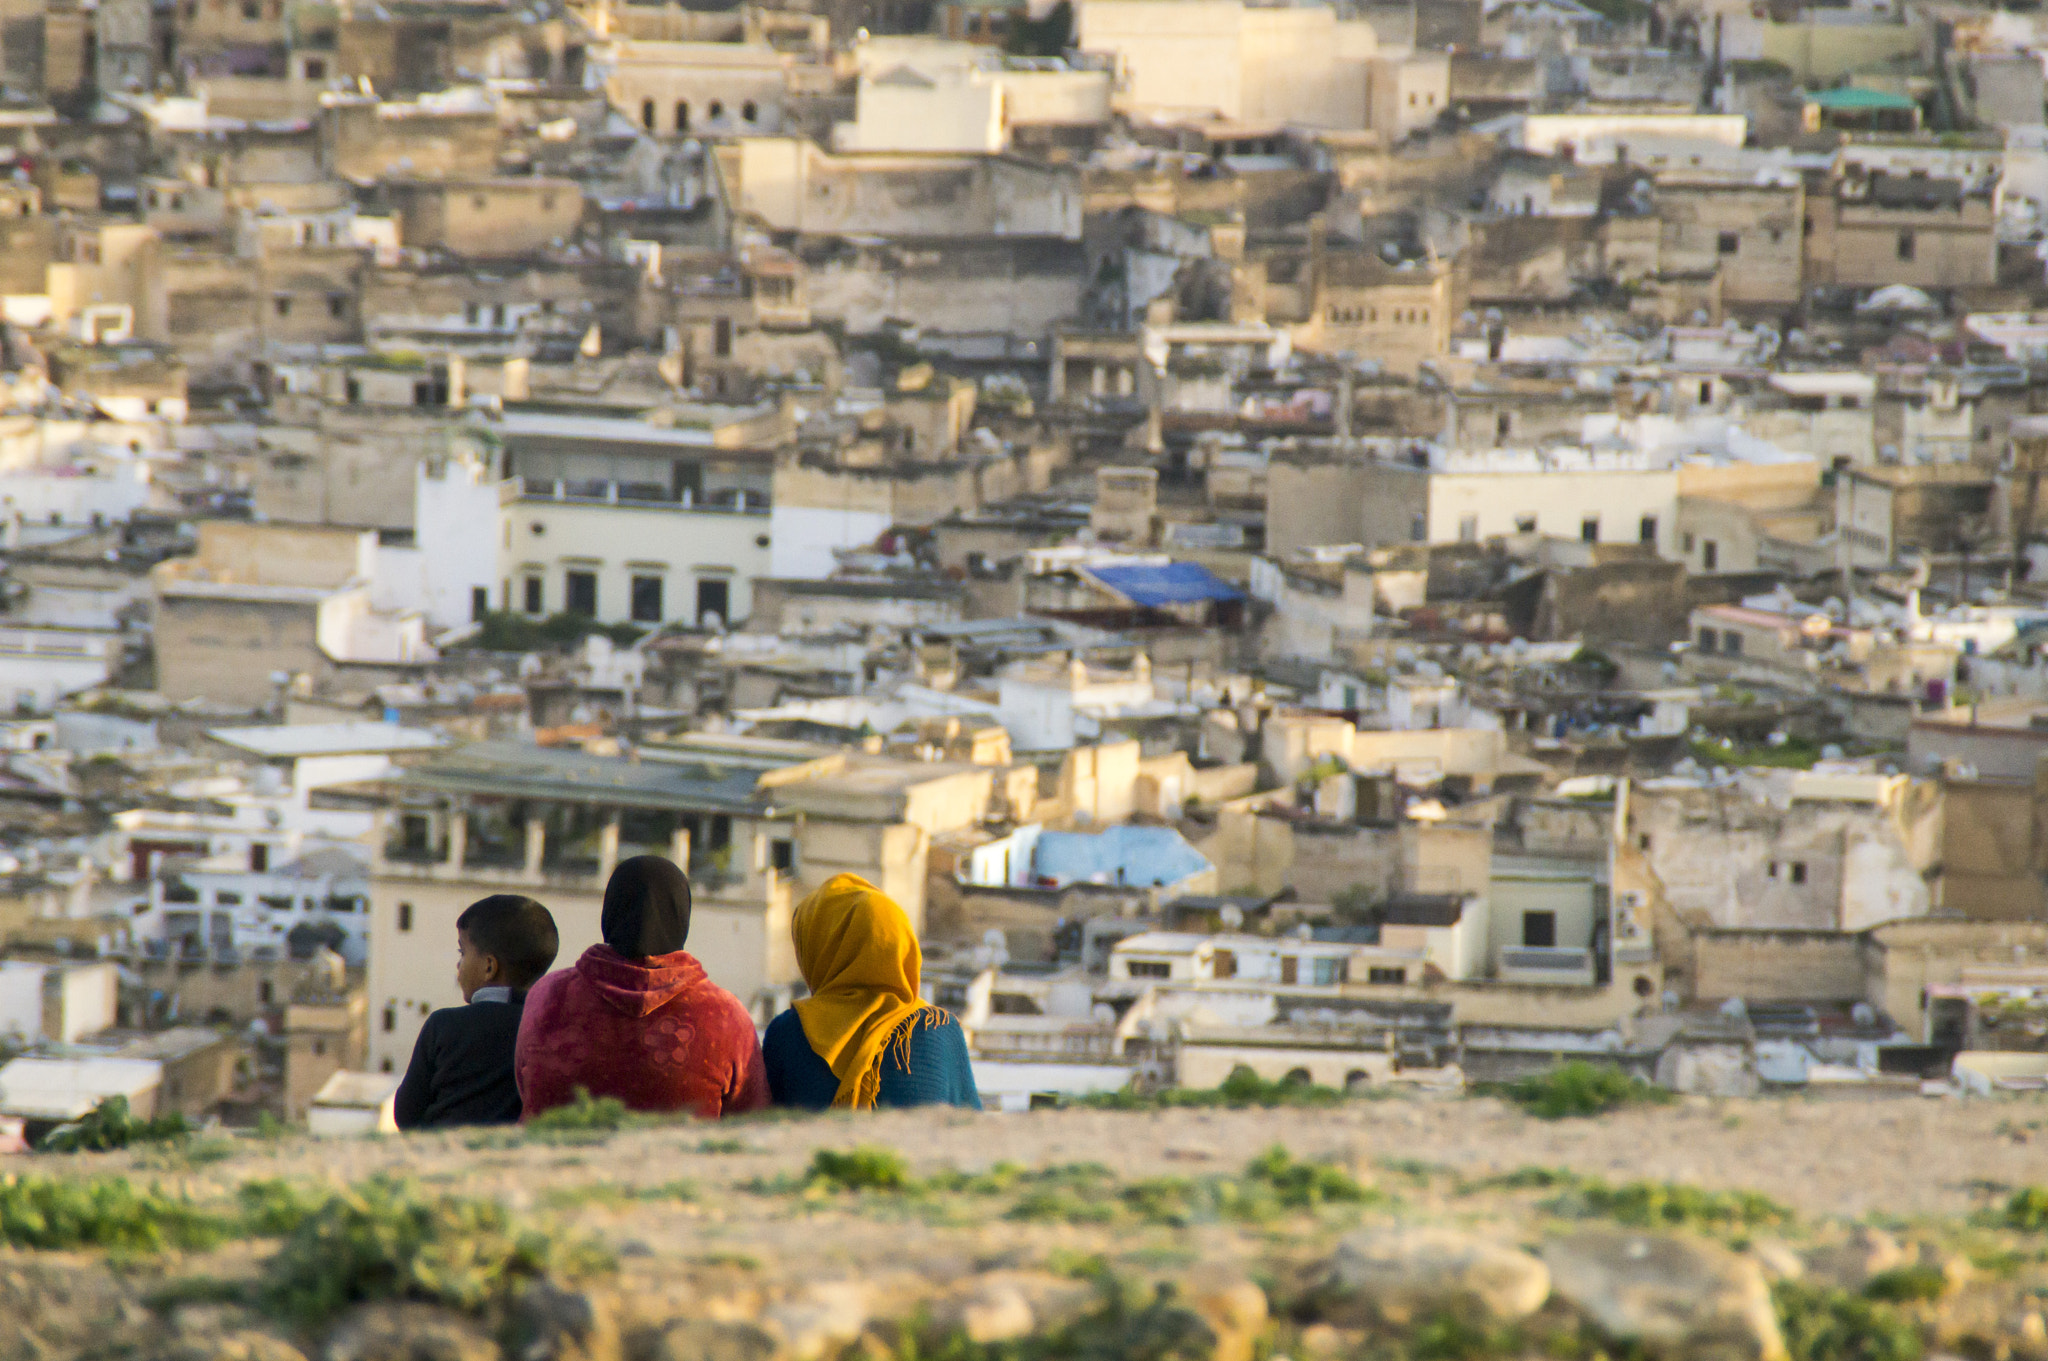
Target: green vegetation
{"points": [[1578, 1089], [1907, 1285], [1823, 1324], [2028, 1209], [506, 631], [616, 1193], [584, 1120], [1241, 1089], [384, 1240], [1658, 1204], [1794, 753], [1597, 665], [866, 1168], [101, 1212], [1302, 1185], [108, 1126]]}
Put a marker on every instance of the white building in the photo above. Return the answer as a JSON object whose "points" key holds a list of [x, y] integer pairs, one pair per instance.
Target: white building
{"points": [[1050, 706]]}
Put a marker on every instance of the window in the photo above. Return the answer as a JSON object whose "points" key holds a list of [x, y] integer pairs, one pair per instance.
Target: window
{"points": [[647, 114], [1502, 424], [1468, 529], [479, 603], [749, 111], [716, 110], [1589, 529], [1906, 245], [1525, 524], [316, 69], [1731, 643], [1646, 532], [579, 593], [714, 600], [405, 916], [1687, 543], [1706, 392], [682, 115], [275, 902], [721, 337], [319, 1047], [1798, 871], [646, 600], [1771, 870], [281, 305], [337, 305], [265, 991], [1386, 975], [1327, 973], [1643, 842], [259, 857], [1539, 929], [1223, 964], [533, 595], [1418, 529], [1710, 556], [1728, 242], [1290, 969], [782, 856], [1145, 968], [251, 10], [226, 899]]}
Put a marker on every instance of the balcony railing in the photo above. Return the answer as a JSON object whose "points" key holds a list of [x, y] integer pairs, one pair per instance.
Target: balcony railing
{"points": [[645, 495]]}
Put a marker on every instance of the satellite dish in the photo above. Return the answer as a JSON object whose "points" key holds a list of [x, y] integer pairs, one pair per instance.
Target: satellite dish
{"points": [[1232, 917]]}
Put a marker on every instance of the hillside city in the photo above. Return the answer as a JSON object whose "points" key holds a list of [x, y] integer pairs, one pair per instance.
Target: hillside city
{"points": [[1392, 544]]}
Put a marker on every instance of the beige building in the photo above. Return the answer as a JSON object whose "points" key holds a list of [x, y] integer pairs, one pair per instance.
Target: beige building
{"points": [[1750, 232], [697, 89], [1880, 229], [1280, 64], [758, 822], [485, 219]]}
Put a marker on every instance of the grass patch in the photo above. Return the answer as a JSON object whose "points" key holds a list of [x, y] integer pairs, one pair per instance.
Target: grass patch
{"points": [[867, 1168], [1823, 1324], [724, 1146], [2027, 1209], [102, 1212], [1907, 1285], [1579, 1089], [1243, 1088], [382, 1239], [110, 1126], [1523, 1179], [1657, 1204], [585, 1119], [618, 1194], [1300, 1185]]}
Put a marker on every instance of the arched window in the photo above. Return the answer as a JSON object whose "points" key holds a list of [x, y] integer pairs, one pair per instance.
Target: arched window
{"points": [[749, 111], [647, 114], [717, 110], [682, 115]]}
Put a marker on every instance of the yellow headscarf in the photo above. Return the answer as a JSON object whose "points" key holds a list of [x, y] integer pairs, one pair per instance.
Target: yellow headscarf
{"points": [[861, 960]]}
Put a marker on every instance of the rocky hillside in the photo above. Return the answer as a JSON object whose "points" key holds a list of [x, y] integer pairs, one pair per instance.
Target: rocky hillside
{"points": [[1405, 1228]]}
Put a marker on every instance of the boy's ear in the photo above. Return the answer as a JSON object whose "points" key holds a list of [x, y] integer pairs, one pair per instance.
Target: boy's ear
{"points": [[494, 969]]}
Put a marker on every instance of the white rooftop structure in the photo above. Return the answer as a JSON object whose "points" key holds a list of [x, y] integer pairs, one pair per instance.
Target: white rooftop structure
{"points": [[65, 1089], [328, 739]]}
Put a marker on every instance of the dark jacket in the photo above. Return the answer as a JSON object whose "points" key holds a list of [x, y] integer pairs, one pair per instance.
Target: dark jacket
{"points": [[938, 1074], [461, 1069]]}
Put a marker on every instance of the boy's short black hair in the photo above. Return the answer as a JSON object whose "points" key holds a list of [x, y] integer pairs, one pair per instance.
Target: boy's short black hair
{"points": [[517, 931]]}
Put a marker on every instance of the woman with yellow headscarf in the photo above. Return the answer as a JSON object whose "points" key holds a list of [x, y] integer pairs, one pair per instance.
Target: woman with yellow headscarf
{"points": [[864, 1037]]}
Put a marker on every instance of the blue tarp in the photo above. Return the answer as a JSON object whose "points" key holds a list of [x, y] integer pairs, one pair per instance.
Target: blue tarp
{"points": [[1174, 583], [1150, 856]]}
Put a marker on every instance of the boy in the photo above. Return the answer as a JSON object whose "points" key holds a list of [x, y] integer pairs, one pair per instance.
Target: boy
{"points": [[461, 1070]]}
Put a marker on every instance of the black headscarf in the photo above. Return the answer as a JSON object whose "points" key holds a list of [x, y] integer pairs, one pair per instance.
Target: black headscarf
{"points": [[646, 907]]}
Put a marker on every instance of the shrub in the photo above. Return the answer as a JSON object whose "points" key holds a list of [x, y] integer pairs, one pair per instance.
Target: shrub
{"points": [[1822, 1324], [1243, 1088], [1907, 1285], [862, 1169], [101, 1212], [2028, 1209], [1578, 1089], [1655, 1204], [1302, 1185], [109, 1126], [583, 1117], [382, 1239]]}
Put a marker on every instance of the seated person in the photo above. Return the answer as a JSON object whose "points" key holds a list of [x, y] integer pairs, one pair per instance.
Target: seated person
{"points": [[863, 1038], [636, 1017], [461, 1069]]}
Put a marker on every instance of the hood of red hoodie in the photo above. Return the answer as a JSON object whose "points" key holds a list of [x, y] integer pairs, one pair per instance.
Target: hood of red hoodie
{"points": [[638, 987]]}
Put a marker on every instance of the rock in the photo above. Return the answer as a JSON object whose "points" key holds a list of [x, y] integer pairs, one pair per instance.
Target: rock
{"points": [[1778, 1259], [986, 1309], [713, 1340], [824, 1316], [235, 1345], [1851, 1263], [1677, 1297], [1402, 1274], [1234, 1308], [405, 1331], [547, 1323]]}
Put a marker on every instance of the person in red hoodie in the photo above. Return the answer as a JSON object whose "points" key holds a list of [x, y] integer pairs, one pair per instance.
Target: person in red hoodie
{"points": [[636, 1017]]}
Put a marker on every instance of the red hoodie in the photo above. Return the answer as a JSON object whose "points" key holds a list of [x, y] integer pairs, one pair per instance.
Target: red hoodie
{"points": [[656, 1033]]}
